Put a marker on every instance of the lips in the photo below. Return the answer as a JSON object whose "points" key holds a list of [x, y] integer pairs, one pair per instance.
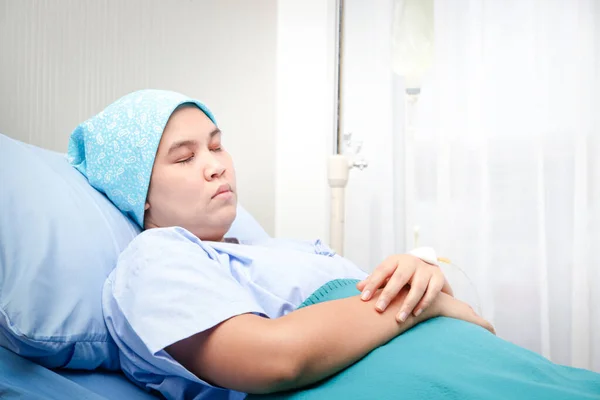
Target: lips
{"points": [[222, 189]]}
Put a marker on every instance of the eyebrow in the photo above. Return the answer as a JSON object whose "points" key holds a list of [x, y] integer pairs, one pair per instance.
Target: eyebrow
{"points": [[214, 133], [190, 143]]}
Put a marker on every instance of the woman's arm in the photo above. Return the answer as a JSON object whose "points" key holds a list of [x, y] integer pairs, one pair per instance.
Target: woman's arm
{"points": [[252, 354]]}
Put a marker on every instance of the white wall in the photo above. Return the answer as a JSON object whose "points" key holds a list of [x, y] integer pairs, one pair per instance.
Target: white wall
{"points": [[306, 42], [63, 61], [369, 112]]}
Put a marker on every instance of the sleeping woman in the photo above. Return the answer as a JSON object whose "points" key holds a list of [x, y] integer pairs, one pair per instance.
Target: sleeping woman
{"points": [[198, 315]]}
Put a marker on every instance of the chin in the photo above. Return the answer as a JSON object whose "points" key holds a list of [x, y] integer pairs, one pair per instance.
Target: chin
{"points": [[229, 213]]}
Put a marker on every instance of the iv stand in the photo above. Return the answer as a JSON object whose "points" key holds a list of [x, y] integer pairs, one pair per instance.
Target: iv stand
{"points": [[340, 164]]}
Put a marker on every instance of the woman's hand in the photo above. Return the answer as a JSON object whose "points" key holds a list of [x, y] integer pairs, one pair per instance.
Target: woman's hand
{"points": [[426, 282], [447, 306]]}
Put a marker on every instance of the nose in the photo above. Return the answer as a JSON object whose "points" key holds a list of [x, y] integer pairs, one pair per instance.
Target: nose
{"points": [[214, 169]]}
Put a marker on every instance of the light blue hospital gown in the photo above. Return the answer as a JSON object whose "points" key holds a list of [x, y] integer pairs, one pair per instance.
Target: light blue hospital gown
{"points": [[169, 285]]}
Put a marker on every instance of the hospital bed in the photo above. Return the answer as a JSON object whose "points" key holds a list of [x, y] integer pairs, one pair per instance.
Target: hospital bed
{"points": [[60, 239], [21, 378]]}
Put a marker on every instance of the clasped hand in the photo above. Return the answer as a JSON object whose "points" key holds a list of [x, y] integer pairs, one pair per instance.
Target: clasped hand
{"points": [[428, 289]]}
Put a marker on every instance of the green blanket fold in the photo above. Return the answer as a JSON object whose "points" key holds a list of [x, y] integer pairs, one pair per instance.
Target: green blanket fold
{"points": [[445, 358]]}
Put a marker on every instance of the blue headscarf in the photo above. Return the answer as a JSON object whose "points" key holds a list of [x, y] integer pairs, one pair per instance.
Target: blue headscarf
{"points": [[115, 149]]}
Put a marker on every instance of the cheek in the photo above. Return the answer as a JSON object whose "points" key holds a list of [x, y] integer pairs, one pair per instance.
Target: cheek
{"points": [[169, 186], [178, 192], [188, 189], [230, 170]]}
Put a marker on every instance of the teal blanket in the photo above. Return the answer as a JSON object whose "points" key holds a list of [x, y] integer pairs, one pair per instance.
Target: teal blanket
{"points": [[445, 358]]}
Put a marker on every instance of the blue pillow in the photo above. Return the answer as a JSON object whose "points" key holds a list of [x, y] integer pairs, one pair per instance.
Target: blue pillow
{"points": [[59, 240]]}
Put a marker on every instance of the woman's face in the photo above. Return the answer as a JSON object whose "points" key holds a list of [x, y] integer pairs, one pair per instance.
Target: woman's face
{"points": [[193, 180]]}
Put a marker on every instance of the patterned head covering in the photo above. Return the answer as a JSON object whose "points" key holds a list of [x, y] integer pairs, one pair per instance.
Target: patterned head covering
{"points": [[115, 149]]}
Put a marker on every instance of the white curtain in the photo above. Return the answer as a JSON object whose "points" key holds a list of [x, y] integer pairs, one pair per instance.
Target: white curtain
{"points": [[502, 174]]}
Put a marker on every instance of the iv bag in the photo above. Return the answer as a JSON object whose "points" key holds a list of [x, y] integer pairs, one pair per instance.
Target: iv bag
{"points": [[412, 40]]}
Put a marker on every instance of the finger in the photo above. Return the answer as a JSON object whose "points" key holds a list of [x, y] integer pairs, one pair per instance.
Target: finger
{"points": [[485, 324], [378, 277], [396, 282], [474, 318], [433, 290], [361, 285], [418, 286], [447, 288]]}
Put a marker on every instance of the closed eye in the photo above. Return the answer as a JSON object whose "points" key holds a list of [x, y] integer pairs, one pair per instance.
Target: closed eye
{"points": [[187, 160]]}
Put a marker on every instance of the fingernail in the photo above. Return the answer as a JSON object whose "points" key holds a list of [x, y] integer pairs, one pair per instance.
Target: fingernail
{"points": [[381, 305], [365, 295], [418, 312], [403, 316]]}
